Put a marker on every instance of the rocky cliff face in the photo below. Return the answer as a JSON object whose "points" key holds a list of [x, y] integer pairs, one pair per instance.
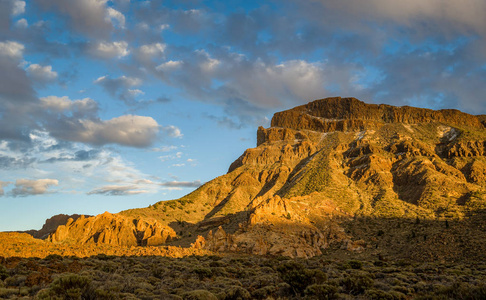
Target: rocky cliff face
{"points": [[316, 167], [350, 114], [113, 229], [51, 225]]}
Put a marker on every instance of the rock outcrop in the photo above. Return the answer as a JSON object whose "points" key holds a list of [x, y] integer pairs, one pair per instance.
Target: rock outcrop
{"points": [[51, 225], [113, 229]]}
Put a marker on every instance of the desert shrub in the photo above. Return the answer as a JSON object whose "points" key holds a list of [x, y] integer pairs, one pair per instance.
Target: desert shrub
{"points": [[3, 272], [37, 278], [199, 295], [223, 282], [402, 289], [356, 284], [69, 286], [16, 280], [53, 257], [374, 294], [203, 273], [8, 292], [216, 264], [321, 291], [135, 284], [235, 293], [355, 264], [144, 294], [103, 294], [298, 277], [263, 280], [380, 263], [264, 292], [158, 272], [460, 290]]}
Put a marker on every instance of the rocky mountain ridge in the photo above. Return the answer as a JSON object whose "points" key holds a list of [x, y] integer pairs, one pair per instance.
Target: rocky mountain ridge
{"points": [[318, 166]]}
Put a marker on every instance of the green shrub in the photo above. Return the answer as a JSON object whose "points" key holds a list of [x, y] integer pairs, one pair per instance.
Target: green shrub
{"points": [[355, 264], [3, 272], [158, 272], [357, 283], [235, 293], [264, 292], [321, 291], [6, 293], [298, 277], [460, 290], [16, 280], [199, 295], [203, 273], [72, 286], [53, 257], [374, 294], [106, 294]]}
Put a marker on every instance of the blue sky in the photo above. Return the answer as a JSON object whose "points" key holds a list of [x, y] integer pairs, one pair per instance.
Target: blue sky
{"points": [[110, 105]]}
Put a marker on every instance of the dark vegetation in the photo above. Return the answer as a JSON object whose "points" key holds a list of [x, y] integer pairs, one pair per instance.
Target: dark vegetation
{"points": [[236, 277]]}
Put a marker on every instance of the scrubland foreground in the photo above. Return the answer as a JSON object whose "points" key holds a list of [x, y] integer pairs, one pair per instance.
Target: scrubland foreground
{"points": [[236, 277]]}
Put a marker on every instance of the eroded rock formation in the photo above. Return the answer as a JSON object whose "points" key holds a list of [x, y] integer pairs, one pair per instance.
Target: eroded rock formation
{"points": [[113, 229]]}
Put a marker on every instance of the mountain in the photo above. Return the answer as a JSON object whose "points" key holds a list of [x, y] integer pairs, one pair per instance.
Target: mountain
{"points": [[335, 173]]}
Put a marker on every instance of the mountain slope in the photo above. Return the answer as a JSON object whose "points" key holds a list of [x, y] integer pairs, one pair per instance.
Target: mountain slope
{"points": [[325, 162]]}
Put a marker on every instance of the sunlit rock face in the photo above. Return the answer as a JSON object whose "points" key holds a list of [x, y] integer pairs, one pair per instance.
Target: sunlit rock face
{"points": [[112, 229]]}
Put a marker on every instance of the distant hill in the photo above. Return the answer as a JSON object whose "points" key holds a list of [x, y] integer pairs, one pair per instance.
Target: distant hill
{"points": [[335, 173]]}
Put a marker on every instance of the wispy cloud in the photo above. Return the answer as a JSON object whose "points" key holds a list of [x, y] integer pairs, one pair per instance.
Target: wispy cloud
{"points": [[117, 190], [181, 184]]}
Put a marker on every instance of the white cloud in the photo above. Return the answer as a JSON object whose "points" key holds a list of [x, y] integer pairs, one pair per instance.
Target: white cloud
{"points": [[128, 130], [108, 50], [26, 187], [120, 87], [85, 16], [22, 23], [82, 168], [169, 65], [120, 81], [63, 104], [18, 7], [164, 149], [42, 74], [207, 64], [135, 92], [181, 184], [151, 50], [164, 27], [11, 49], [114, 15], [118, 190], [164, 158], [172, 131]]}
